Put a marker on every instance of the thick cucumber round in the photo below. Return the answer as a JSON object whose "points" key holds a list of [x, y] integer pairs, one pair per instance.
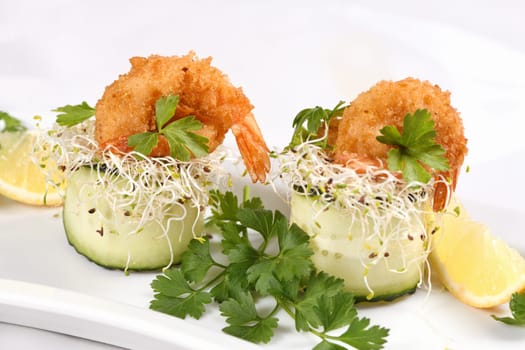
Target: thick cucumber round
{"points": [[343, 249], [109, 237]]}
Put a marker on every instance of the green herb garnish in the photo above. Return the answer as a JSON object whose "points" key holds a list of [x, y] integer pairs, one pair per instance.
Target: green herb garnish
{"points": [[273, 262], [11, 124], [308, 121], [180, 136], [415, 147], [70, 115], [517, 308]]}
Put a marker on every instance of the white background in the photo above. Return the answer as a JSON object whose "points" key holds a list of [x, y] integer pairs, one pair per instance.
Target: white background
{"points": [[287, 55]]}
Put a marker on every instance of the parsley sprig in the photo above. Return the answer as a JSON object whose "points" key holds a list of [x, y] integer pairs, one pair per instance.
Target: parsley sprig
{"points": [[70, 115], [414, 147], [11, 124], [180, 134], [308, 121], [266, 258], [517, 308]]}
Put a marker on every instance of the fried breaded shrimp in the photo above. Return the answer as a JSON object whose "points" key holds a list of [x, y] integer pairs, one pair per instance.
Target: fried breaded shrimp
{"points": [[128, 107], [387, 103]]}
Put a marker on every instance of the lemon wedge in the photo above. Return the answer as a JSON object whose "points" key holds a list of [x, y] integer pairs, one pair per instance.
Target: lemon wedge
{"points": [[21, 178], [476, 267]]}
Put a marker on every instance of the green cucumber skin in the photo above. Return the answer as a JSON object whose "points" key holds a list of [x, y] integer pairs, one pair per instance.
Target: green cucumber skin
{"points": [[338, 255], [386, 297], [146, 250], [108, 266]]}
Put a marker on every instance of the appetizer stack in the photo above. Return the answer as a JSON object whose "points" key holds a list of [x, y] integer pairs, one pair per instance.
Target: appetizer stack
{"points": [[373, 185], [370, 186], [139, 174], [365, 179]]}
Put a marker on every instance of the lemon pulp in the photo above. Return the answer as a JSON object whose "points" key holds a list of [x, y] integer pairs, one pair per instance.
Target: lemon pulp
{"points": [[27, 176], [478, 268]]}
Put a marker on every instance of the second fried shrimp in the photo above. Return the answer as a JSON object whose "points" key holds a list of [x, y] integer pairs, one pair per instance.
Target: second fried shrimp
{"points": [[128, 106], [387, 103]]}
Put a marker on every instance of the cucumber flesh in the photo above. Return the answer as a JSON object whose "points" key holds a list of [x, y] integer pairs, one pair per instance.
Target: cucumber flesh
{"points": [[108, 238], [342, 249]]}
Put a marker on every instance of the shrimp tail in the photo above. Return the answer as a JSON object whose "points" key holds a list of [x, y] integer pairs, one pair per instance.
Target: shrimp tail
{"points": [[444, 187], [253, 148]]}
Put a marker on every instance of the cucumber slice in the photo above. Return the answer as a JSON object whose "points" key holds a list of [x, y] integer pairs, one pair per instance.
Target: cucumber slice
{"points": [[373, 269], [110, 238]]}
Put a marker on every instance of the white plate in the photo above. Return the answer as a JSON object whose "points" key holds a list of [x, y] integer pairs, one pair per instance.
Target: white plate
{"points": [[45, 284], [286, 57]]}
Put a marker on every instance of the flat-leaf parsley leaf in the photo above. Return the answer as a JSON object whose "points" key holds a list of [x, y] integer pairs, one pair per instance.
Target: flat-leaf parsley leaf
{"points": [[267, 258], [414, 148], [517, 308], [182, 139], [308, 122], [70, 115], [176, 297], [244, 321], [11, 124]]}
